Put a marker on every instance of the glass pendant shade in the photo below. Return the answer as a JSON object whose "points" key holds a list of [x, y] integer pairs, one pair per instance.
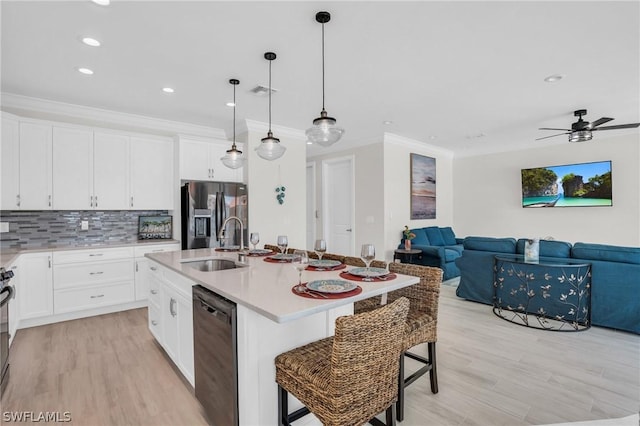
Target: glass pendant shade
{"points": [[270, 148], [233, 158], [324, 131]]}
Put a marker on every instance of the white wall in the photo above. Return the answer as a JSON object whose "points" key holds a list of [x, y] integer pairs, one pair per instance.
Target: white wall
{"points": [[488, 194], [266, 216], [397, 188]]}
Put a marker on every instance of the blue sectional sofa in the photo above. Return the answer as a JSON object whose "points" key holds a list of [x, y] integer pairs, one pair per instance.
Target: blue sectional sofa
{"points": [[440, 248], [615, 275]]}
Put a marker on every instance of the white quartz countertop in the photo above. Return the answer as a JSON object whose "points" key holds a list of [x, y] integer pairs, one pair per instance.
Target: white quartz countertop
{"points": [[266, 287]]}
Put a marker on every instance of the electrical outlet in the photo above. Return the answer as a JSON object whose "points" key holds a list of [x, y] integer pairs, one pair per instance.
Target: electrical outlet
{"points": [[84, 225], [4, 226]]}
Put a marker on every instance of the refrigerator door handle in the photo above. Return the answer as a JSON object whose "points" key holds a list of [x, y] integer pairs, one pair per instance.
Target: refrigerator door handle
{"points": [[217, 218]]}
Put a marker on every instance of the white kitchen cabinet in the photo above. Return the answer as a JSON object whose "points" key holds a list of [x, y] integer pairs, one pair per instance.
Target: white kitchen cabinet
{"points": [[200, 160], [152, 184], [171, 317], [87, 279], [9, 162], [36, 285], [142, 276], [14, 308], [35, 166], [72, 169], [110, 171]]}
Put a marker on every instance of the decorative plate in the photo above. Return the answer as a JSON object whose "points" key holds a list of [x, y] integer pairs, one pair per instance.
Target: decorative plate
{"points": [[282, 256], [324, 263], [331, 286], [259, 251], [372, 272]]}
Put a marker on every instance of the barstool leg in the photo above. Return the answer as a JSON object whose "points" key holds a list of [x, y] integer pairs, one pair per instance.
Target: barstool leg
{"points": [[400, 403], [283, 407], [433, 374]]}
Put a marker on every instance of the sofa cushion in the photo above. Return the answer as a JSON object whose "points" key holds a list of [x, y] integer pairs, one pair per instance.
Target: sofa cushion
{"points": [[497, 245], [421, 237], [448, 236], [457, 247], [450, 254], [434, 235], [548, 248], [605, 252]]}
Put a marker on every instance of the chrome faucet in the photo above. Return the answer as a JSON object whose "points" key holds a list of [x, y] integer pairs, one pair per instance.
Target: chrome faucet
{"points": [[224, 225]]}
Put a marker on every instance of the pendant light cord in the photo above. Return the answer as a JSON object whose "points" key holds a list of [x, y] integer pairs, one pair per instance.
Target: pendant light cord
{"points": [[323, 66], [270, 96], [234, 117]]}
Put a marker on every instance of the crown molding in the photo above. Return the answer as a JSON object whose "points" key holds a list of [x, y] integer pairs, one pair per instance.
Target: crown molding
{"points": [[278, 131], [26, 106], [392, 138]]}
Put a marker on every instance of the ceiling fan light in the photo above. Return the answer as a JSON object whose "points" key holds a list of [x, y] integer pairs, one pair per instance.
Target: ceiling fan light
{"points": [[270, 148], [580, 136]]}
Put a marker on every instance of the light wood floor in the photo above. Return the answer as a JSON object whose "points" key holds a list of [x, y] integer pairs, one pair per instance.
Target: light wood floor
{"points": [[108, 370]]}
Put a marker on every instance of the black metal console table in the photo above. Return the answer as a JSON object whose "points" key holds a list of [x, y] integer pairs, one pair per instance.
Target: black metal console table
{"points": [[548, 295]]}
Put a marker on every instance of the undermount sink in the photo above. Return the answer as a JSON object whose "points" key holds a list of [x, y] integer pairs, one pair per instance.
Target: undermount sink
{"points": [[210, 265]]}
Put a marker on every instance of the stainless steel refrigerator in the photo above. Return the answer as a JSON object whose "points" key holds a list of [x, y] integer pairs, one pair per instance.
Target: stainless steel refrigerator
{"points": [[205, 206]]}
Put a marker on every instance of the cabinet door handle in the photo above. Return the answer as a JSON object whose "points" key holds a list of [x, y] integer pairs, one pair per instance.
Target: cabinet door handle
{"points": [[136, 266], [132, 201], [154, 322], [49, 200], [96, 201], [154, 291], [91, 201], [97, 296], [153, 268], [171, 307], [18, 200], [96, 254], [96, 273], [157, 250], [49, 262]]}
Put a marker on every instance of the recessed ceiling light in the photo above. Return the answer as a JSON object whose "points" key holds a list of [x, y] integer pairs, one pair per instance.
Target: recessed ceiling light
{"points": [[91, 41], [432, 137], [553, 78], [230, 104], [102, 2], [387, 122], [168, 90], [86, 71], [309, 143]]}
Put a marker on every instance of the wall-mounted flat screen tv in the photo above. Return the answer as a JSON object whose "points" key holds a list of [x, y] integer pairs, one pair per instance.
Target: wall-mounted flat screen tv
{"points": [[569, 185]]}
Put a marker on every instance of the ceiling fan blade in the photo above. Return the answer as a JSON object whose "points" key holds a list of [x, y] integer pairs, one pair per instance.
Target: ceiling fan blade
{"points": [[551, 128], [600, 121], [553, 136], [620, 126]]}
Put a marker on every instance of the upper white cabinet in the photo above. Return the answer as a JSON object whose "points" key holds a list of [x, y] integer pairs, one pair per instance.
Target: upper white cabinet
{"points": [[111, 171], [200, 160], [151, 174], [72, 169], [35, 167], [9, 158]]}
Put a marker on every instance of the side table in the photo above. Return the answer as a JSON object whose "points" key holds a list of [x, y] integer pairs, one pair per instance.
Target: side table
{"points": [[550, 295], [406, 256]]}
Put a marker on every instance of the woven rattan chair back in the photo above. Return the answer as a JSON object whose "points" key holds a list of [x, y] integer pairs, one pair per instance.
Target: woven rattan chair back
{"points": [[327, 256], [361, 377], [272, 248], [353, 261]]}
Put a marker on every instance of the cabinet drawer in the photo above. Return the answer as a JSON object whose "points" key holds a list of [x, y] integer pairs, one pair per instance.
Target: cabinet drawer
{"points": [[155, 325], [81, 274], [86, 298], [154, 291], [155, 248], [92, 255]]}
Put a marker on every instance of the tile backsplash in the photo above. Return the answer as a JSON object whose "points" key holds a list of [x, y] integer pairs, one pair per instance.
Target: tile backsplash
{"points": [[42, 229]]}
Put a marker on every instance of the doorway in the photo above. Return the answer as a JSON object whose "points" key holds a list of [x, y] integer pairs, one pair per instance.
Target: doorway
{"points": [[338, 204]]}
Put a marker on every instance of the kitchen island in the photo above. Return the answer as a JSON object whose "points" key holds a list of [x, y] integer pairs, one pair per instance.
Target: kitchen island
{"points": [[271, 319]]}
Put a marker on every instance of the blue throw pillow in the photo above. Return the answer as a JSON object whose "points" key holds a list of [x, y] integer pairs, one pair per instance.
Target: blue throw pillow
{"points": [[434, 235], [421, 238], [448, 236]]}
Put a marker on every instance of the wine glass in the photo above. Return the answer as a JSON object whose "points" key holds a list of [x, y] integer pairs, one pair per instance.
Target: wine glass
{"points": [[320, 247], [367, 254], [254, 239], [300, 262], [283, 242]]}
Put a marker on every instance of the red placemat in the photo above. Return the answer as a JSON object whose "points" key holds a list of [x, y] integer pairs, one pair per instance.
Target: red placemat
{"points": [[271, 253], [334, 268], [317, 295], [271, 260], [347, 276]]}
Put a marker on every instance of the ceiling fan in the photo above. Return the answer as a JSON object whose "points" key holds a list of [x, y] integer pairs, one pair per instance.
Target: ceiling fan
{"points": [[581, 130]]}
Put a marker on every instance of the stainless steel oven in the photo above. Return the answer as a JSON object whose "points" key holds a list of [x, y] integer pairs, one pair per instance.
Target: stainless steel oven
{"points": [[6, 293]]}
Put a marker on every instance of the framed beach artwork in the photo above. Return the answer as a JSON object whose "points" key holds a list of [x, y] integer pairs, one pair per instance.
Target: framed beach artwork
{"points": [[423, 187]]}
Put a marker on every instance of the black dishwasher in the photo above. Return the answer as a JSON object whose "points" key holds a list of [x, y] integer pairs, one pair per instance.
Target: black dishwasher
{"points": [[215, 356]]}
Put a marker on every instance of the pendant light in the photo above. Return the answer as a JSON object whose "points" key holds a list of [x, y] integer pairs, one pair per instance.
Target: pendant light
{"points": [[270, 147], [324, 130], [233, 158]]}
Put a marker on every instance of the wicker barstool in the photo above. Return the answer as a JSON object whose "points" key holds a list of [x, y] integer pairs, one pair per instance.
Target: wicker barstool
{"points": [[272, 248], [422, 321], [353, 261], [327, 256], [350, 378]]}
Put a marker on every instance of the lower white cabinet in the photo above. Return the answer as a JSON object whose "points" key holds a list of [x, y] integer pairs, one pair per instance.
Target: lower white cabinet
{"points": [[36, 285], [142, 266], [171, 316], [14, 307]]}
